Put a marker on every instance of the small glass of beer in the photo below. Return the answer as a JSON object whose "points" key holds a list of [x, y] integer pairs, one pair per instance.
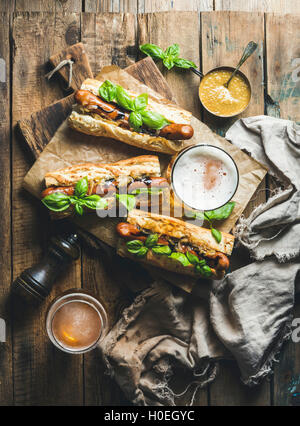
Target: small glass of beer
{"points": [[76, 322]]}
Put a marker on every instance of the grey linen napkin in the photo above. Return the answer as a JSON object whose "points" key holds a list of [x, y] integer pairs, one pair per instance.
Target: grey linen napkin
{"points": [[247, 316]]}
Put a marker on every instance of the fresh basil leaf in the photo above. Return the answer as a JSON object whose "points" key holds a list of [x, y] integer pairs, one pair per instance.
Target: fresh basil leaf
{"points": [[142, 252], [107, 91], [79, 209], [127, 200], [135, 120], [124, 99], [184, 63], [91, 201], [168, 62], [161, 249], [192, 258], [102, 204], [151, 240], [216, 234], [81, 187], [172, 50], [140, 102], [152, 50], [57, 202], [154, 120], [134, 244], [180, 257], [206, 271], [222, 213]]}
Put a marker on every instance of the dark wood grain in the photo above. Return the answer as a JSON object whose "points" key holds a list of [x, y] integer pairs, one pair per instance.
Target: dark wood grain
{"points": [[35, 381], [6, 375], [150, 75], [80, 69], [42, 375], [39, 128], [282, 49], [223, 40], [109, 39]]}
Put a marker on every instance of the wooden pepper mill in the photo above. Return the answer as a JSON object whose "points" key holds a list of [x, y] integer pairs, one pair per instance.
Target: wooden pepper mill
{"points": [[36, 282]]}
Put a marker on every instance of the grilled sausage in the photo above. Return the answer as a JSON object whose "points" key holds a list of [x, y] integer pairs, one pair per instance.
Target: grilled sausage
{"points": [[132, 232], [68, 190], [223, 261], [156, 182], [95, 104], [176, 132], [104, 189]]}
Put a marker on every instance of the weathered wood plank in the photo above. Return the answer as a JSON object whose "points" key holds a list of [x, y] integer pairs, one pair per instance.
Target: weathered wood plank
{"points": [[149, 74], [7, 5], [108, 39], [223, 40], [158, 28], [167, 5], [6, 377], [277, 6], [283, 84], [48, 6], [283, 63], [42, 375], [129, 6]]}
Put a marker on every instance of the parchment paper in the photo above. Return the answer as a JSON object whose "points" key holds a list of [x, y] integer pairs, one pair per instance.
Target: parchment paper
{"points": [[69, 147]]}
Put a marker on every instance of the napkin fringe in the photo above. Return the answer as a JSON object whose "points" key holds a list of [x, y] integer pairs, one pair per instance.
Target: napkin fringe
{"points": [[243, 231], [267, 368]]}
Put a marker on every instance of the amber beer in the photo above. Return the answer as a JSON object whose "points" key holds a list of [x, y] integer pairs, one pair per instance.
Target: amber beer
{"points": [[76, 322]]}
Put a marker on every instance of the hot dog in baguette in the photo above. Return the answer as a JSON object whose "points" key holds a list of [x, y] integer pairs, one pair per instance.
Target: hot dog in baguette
{"points": [[102, 181], [174, 245], [106, 109]]}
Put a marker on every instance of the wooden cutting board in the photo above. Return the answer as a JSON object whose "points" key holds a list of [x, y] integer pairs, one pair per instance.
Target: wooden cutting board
{"points": [[39, 128]]}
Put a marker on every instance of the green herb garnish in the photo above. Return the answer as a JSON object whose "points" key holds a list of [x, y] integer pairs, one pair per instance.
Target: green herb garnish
{"points": [[219, 214], [140, 249], [180, 257], [151, 240], [170, 56], [139, 115], [161, 249], [58, 201], [128, 200]]}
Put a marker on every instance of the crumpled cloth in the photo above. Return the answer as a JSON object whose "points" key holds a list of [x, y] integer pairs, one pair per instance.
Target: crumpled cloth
{"points": [[246, 316], [273, 228]]}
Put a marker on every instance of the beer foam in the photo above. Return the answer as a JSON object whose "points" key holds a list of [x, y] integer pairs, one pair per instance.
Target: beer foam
{"points": [[204, 177]]}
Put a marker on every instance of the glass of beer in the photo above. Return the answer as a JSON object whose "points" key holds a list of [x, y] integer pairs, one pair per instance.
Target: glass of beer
{"points": [[76, 322]]}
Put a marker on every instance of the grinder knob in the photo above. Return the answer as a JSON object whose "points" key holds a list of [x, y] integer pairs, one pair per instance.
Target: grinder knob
{"points": [[35, 283]]}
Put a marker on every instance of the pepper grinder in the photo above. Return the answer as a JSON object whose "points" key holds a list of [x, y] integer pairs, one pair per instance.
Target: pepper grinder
{"points": [[36, 282]]}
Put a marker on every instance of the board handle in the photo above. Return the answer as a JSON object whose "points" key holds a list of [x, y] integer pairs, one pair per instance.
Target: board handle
{"points": [[81, 69]]}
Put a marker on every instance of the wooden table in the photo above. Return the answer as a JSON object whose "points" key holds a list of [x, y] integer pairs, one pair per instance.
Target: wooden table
{"points": [[32, 371]]}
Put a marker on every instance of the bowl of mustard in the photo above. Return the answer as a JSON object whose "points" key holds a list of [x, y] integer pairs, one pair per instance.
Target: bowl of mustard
{"points": [[220, 100]]}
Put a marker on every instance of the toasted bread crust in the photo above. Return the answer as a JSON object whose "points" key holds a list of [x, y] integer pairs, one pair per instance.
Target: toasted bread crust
{"points": [[176, 228], [96, 172], [97, 126]]}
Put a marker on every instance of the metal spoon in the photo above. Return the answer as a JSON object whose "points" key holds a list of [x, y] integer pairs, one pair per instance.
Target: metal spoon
{"points": [[249, 49]]}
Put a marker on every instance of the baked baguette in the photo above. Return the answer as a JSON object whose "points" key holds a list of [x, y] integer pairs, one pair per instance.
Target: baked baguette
{"points": [[106, 179], [182, 237], [86, 120]]}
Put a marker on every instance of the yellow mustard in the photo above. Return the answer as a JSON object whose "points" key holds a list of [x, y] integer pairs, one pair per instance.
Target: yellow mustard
{"points": [[222, 101]]}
